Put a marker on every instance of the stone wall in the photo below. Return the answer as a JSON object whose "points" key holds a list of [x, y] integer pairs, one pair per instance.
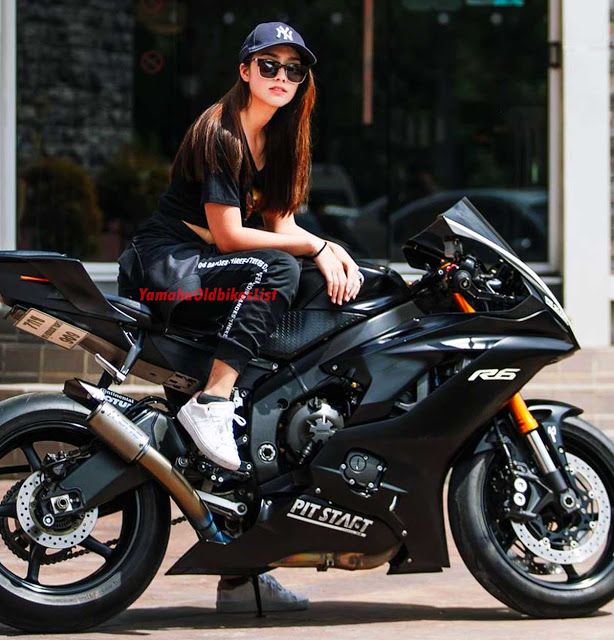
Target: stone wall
{"points": [[74, 78]]}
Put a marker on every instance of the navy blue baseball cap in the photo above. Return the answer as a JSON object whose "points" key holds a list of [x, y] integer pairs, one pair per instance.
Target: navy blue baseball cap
{"points": [[268, 34]]}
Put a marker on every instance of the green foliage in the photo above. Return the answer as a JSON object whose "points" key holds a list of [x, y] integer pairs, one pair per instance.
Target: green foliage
{"points": [[59, 209]]}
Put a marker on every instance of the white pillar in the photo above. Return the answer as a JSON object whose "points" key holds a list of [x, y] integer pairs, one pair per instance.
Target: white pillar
{"points": [[586, 169], [8, 187]]}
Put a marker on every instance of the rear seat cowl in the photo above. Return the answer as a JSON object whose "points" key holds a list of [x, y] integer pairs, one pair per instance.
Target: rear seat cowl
{"points": [[137, 310]]}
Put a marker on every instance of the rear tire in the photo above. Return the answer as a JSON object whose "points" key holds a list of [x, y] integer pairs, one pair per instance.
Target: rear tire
{"points": [[133, 560], [476, 539]]}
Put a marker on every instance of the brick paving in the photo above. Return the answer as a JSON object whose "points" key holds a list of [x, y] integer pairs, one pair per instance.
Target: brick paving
{"points": [[344, 605]]}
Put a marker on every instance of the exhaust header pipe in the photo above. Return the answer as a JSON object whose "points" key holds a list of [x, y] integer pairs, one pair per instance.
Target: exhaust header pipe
{"points": [[350, 561], [132, 445]]}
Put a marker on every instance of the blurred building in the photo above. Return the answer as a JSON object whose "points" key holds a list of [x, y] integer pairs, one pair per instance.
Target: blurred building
{"points": [[419, 103]]}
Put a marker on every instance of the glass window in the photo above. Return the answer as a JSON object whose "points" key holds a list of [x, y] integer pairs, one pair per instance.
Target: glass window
{"points": [[459, 107], [466, 114]]}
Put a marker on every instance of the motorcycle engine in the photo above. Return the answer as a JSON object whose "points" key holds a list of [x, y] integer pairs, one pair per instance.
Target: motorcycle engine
{"points": [[309, 425]]}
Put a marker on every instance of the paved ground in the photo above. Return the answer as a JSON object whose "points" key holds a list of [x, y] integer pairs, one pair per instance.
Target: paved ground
{"points": [[348, 605]]}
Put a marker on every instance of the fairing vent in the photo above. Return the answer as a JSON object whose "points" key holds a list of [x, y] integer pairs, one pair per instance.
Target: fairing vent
{"points": [[299, 330], [424, 385]]}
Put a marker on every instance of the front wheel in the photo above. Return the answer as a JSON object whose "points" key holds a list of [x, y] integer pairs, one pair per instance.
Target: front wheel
{"points": [[551, 566]]}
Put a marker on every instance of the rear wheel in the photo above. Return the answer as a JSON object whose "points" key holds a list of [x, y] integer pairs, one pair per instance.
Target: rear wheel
{"points": [[64, 572], [551, 565]]}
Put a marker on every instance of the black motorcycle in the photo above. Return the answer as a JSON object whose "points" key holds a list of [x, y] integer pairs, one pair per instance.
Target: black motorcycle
{"points": [[354, 417]]}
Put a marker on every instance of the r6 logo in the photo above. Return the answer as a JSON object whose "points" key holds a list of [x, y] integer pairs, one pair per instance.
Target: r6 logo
{"points": [[493, 374]]}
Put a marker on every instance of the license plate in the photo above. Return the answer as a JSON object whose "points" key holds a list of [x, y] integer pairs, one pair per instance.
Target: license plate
{"points": [[51, 329]]}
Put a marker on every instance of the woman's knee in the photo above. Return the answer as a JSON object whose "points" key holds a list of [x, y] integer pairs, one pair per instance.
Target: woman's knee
{"points": [[286, 264]]}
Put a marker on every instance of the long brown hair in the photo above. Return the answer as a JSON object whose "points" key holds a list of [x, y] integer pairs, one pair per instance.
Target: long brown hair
{"points": [[287, 148]]}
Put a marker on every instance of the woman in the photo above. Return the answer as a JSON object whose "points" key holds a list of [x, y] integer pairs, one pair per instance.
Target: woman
{"points": [[248, 154]]}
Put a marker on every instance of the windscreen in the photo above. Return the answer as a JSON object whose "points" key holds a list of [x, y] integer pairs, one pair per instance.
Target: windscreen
{"points": [[427, 246]]}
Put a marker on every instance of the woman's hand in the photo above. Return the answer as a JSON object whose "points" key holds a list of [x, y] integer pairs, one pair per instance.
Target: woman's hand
{"points": [[352, 271], [333, 272], [340, 272]]}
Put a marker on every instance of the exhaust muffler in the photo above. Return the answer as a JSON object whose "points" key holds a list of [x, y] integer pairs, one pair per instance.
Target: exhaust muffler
{"points": [[132, 445]]}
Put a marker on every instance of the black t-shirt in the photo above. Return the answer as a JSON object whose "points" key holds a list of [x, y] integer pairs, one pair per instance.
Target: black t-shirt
{"points": [[185, 200]]}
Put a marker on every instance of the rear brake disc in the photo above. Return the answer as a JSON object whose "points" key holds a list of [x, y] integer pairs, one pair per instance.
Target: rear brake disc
{"points": [[53, 538]]}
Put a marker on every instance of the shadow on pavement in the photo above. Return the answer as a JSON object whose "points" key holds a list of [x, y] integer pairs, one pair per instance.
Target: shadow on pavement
{"points": [[319, 614]]}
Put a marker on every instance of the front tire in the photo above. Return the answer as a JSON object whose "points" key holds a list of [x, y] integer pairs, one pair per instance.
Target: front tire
{"points": [[40, 603], [487, 543]]}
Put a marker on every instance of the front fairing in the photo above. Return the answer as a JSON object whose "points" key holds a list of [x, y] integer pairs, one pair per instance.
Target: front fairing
{"points": [[463, 224]]}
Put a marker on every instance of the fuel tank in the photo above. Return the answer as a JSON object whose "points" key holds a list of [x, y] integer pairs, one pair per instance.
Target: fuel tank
{"points": [[313, 317]]}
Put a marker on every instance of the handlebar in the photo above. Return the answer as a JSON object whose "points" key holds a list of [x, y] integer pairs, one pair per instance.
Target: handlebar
{"points": [[461, 280], [457, 276], [425, 281], [463, 275]]}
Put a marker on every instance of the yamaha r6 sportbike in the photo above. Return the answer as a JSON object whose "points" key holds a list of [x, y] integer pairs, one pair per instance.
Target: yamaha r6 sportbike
{"points": [[351, 420]]}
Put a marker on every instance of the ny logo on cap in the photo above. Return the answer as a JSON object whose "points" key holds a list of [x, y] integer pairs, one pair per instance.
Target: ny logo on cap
{"points": [[284, 32]]}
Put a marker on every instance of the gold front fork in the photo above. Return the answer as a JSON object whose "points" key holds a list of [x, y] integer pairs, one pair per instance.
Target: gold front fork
{"points": [[525, 421]]}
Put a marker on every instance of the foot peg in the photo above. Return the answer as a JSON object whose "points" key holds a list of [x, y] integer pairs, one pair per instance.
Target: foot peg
{"points": [[220, 475], [224, 507]]}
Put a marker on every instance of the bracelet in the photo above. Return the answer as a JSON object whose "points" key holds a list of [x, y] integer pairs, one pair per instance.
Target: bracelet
{"points": [[315, 255]]}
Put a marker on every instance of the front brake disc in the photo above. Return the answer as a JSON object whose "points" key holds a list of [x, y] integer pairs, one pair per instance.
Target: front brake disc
{"points": [[586, 541]]}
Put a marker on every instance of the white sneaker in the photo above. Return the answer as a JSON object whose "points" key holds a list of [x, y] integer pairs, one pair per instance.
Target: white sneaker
{"points": [[210, 426], [273, 596]]}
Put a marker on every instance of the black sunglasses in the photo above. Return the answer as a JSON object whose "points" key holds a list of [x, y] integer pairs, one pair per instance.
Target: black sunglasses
{"points": [[295, 72]]}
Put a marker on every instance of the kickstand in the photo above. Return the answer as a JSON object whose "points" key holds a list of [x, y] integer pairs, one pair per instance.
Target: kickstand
{"points": [[256, 586]]}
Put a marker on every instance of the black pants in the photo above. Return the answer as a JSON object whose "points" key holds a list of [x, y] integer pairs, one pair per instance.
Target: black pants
{"points": [[238, 296]]}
